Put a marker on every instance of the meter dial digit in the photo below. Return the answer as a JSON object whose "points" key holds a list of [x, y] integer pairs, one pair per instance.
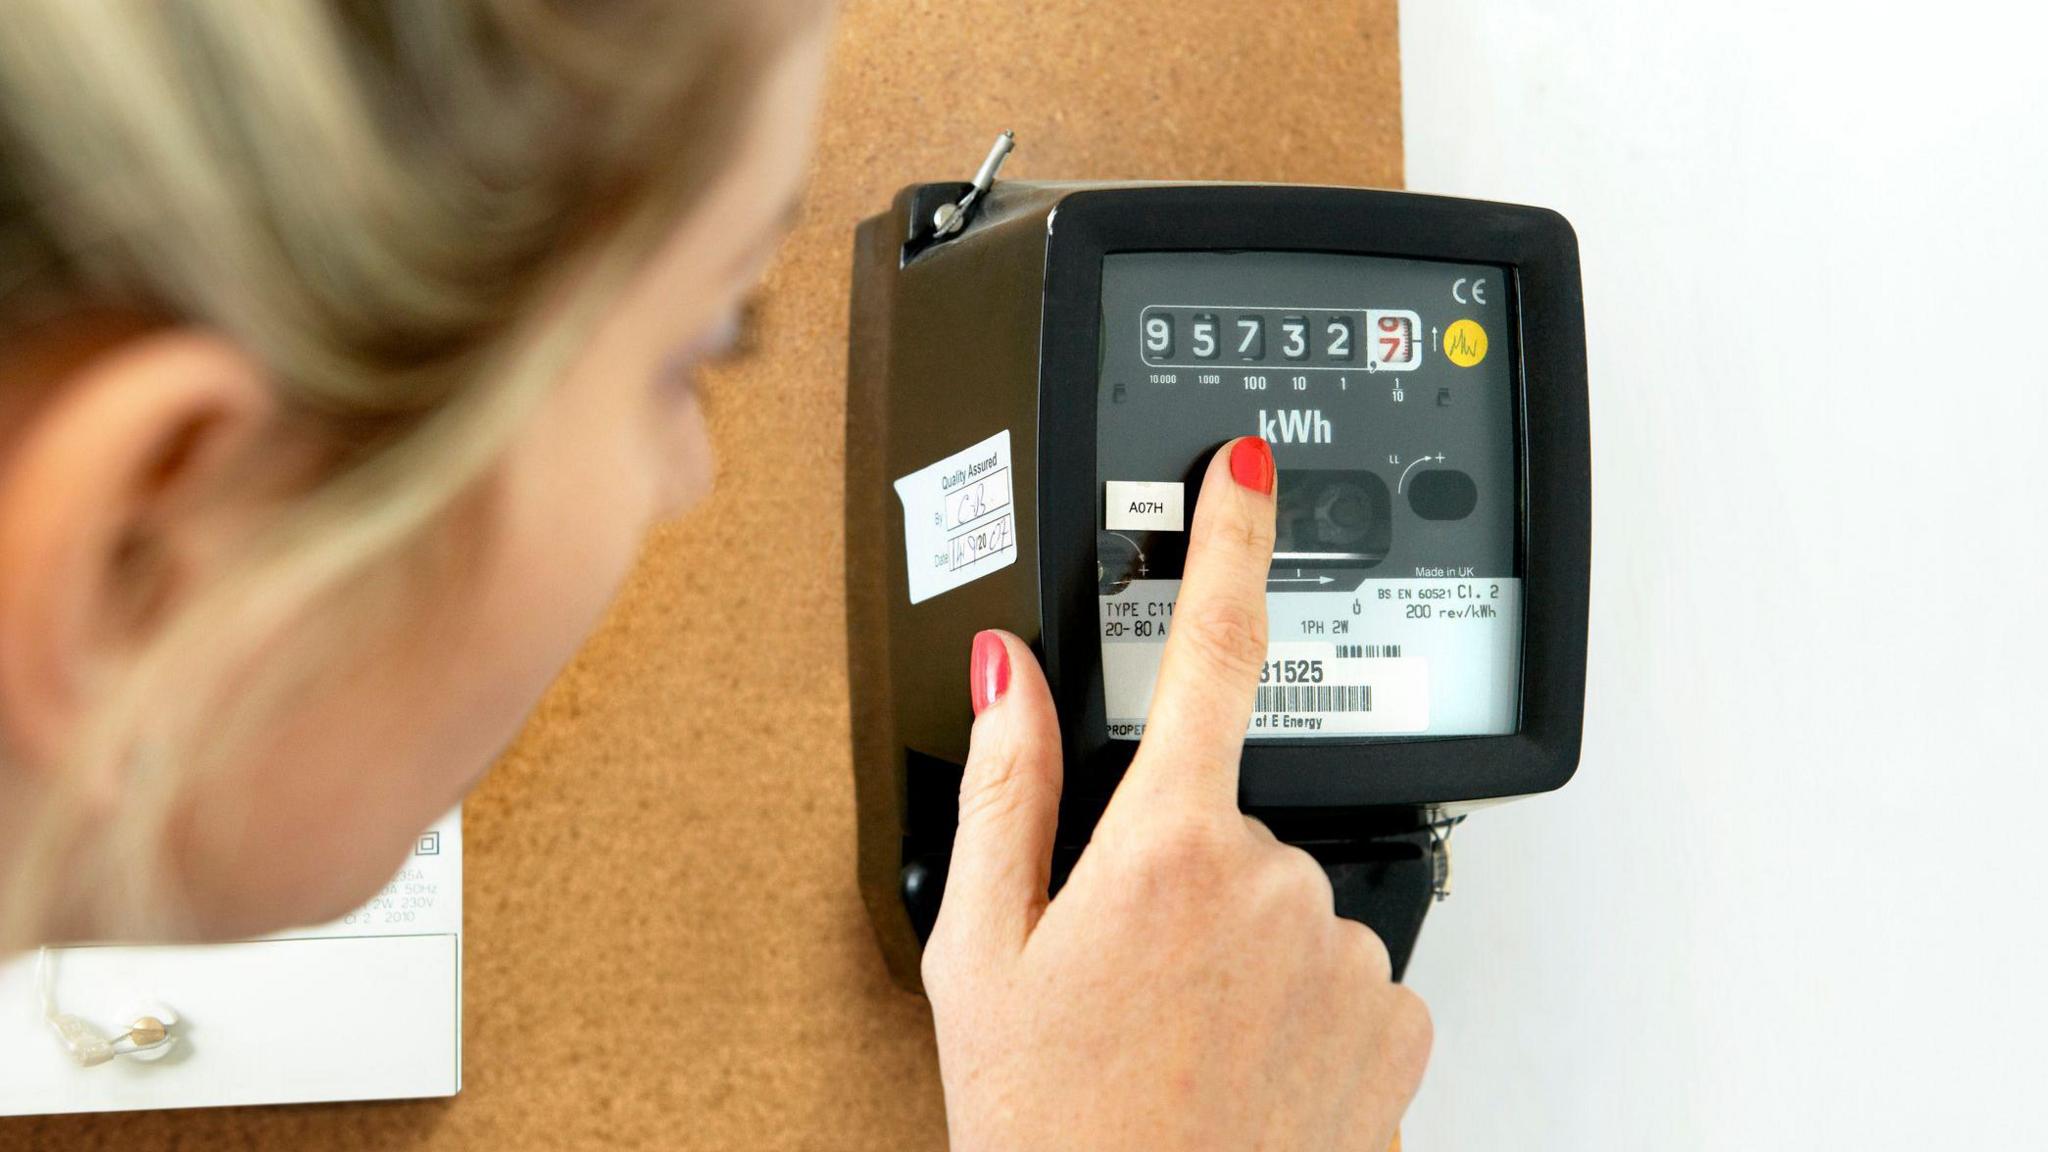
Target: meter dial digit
{"points": [[1337, 339], [1391, 344], [1202, 336], [1159, 336], [1248, 338], [1294, 337]]}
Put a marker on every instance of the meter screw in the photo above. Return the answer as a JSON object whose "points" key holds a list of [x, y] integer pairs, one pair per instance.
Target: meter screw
{"points": [[951, 218], [1440, 857]]}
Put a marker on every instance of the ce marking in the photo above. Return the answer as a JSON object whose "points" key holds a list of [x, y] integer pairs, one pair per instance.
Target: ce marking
{"points": [[1477, 295]]}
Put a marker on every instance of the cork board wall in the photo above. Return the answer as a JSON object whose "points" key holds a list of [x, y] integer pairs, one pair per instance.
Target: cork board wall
{"points": [[665, 948]]}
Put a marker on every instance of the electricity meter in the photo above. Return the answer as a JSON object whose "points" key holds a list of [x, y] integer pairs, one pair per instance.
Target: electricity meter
{"points": [[1038, 372]]}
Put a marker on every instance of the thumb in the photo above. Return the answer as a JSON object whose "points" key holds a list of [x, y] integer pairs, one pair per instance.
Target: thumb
{"points": [[1009, 805]]}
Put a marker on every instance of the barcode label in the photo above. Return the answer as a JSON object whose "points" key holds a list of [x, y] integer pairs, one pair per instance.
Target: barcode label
{"points": [[1368, 651], [1315, 698]]}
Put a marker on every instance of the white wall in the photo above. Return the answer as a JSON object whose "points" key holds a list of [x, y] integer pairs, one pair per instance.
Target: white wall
{"points": [[1795, 896]]}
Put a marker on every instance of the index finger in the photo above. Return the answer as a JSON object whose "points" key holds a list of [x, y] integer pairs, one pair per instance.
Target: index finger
{"points": [[1209, 676]]}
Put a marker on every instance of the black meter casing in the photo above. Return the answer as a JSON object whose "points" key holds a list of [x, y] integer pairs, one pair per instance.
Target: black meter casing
{"points": [[999, 327]]}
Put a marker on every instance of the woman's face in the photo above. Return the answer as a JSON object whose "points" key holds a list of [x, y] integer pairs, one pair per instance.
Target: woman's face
{"points": [[332, 798]]}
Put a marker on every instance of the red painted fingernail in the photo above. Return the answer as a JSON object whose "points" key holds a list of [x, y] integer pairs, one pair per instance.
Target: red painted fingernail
{"points": [[1251, 464], [988, 673]]}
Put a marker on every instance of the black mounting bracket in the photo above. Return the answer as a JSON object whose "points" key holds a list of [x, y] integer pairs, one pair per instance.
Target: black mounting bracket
{"points": [[1386, 883]]}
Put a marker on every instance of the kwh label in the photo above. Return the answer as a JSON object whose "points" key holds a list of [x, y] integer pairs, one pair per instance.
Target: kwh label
{"points": [[1294, 426]]}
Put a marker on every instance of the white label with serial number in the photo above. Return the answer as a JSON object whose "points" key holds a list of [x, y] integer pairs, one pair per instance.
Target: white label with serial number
{"points": [[1305, 689], [959, 521], [1385, 657]]}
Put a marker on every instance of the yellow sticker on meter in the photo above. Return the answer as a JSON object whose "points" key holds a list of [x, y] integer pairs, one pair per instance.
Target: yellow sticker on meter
{"points": [[1465, 343]]}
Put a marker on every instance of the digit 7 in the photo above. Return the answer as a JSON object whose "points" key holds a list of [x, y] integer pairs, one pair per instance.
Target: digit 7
{"points": [[1393, 338]]}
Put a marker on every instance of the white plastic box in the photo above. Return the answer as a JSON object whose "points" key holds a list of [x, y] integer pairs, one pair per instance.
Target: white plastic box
{"points": [[367, 1008]]}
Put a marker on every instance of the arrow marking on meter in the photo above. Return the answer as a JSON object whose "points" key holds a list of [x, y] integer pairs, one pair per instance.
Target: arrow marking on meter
{"points": [[1422, 459], [1142, 567], [1301, 580]]}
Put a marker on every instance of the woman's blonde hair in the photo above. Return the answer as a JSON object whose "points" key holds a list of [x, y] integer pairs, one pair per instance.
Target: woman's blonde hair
{"points": [[371, 198]]}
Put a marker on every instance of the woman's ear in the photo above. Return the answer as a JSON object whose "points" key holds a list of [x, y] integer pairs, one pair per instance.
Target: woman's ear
{"points": [[119, 483]]}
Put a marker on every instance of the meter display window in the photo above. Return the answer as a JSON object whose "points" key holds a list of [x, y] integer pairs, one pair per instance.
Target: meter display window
{"points": [[1387, 389]]}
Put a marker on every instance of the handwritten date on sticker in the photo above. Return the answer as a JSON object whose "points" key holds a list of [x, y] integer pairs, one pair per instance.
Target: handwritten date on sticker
{"points": [[959, 518]]}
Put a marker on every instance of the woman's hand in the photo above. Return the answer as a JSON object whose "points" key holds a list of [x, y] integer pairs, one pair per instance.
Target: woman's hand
{"points": [[1191, 987]]}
